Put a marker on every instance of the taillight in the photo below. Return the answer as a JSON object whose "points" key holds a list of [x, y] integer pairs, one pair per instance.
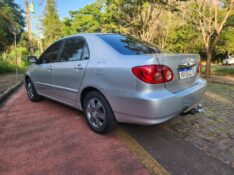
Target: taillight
{"points": [[199, 68], [153, 74]]}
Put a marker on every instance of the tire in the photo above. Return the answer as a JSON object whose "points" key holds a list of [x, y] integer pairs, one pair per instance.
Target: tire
{"points": [[98, 113], [32, 93]]}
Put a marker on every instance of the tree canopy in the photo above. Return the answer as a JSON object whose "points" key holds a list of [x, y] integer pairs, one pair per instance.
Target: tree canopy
{"points": [[187, 26], [52, 27], [11, 19]]}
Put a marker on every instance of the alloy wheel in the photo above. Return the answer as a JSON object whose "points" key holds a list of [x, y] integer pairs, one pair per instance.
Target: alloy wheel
{"points": [[95, 112], [30, 90]]}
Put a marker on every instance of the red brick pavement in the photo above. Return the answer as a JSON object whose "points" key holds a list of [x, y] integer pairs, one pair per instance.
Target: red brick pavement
{"points": [[50, 138]]}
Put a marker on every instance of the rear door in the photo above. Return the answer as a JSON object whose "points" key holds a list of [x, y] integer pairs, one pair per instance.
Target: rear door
{"points": [[68, 73], [43, 72], [184, 67]]}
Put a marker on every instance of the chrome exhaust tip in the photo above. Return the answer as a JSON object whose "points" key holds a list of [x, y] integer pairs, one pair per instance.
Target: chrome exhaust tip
{"points": [[197, 109], [200, 109]]}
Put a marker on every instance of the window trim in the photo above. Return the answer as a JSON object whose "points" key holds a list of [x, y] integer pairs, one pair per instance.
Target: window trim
{"points": [[64, 42], [58, 54]]}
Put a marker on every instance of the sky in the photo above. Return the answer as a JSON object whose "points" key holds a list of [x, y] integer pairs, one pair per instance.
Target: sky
{"points": [[63, 7]]}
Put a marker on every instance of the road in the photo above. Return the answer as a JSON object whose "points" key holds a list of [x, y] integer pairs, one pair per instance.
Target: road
{"points": [[177, 156], [50, 138], [194, 144]]}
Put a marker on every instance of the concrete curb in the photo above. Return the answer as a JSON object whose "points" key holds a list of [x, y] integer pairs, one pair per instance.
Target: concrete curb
{"points": [[9, 91]]}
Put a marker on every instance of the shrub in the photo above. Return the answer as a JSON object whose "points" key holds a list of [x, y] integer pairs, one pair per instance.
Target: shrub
{"points": [[6, 67]]}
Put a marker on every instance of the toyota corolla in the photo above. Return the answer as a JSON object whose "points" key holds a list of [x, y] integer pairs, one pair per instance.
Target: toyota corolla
{"points": [[116, 78]]}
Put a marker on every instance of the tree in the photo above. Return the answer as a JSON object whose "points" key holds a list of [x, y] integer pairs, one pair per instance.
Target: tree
{"points": [[225, 44], [211, 19], [24, 40], [10, 18], [184, 39], [184, 26], [149, 20], [138, 17], [86, 19], [52, 27]]}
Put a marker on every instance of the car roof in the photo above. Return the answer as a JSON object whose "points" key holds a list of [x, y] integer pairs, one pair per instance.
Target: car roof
{"points": [[88, 34]]}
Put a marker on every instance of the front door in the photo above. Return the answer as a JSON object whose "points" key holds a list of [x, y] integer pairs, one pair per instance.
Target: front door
{"points": [[68, 73], [43, 79]]}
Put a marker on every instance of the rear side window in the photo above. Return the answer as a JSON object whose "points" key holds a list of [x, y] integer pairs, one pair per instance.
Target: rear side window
{"points": [[85, 54], [72, 50], [128, 45], [50, 55]]}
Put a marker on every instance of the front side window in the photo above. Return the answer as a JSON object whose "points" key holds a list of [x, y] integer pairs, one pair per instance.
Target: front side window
{"points": [[128, 45], [50, 55], [72, 50]]}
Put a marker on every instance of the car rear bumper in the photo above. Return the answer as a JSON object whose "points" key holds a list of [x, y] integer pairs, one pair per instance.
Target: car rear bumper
{"points": [[154, 107]]}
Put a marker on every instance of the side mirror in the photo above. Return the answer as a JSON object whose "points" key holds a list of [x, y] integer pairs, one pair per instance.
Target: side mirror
{"points": [[32, 59]]}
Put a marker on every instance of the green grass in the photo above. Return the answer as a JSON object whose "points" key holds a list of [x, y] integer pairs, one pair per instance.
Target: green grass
{"points": [[224, 71], [9, 68], [221, 71]]}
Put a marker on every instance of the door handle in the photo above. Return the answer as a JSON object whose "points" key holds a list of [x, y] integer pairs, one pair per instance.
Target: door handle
{"points": [[78, 67]]}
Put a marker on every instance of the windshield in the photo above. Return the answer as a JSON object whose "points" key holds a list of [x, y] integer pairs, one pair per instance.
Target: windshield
{"points": [[128, 45]]}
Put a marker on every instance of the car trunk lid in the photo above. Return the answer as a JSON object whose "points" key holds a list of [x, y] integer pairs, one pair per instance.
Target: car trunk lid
{"points": [[184, 67]]}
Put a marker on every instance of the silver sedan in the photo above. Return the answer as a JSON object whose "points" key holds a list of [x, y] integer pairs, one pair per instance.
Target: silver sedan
{"points": [[116, 78]]}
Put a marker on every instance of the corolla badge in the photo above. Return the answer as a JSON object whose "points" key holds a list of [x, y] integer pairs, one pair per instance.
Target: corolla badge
{"points": [[189, 62]]}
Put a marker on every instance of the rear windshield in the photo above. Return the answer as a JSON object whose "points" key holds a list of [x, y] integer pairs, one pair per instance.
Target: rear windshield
{"points": [[128, 45]]}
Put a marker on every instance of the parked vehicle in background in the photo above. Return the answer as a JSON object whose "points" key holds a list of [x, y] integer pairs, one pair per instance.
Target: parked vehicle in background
{"points": [[229, 60], [116, 78]]}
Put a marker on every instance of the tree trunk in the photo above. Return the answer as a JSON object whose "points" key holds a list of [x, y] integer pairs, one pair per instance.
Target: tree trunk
{"points": [[209, 54]]}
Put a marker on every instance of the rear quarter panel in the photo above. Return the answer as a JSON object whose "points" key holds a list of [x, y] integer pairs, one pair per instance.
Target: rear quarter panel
{"points": [[111, 72]]}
